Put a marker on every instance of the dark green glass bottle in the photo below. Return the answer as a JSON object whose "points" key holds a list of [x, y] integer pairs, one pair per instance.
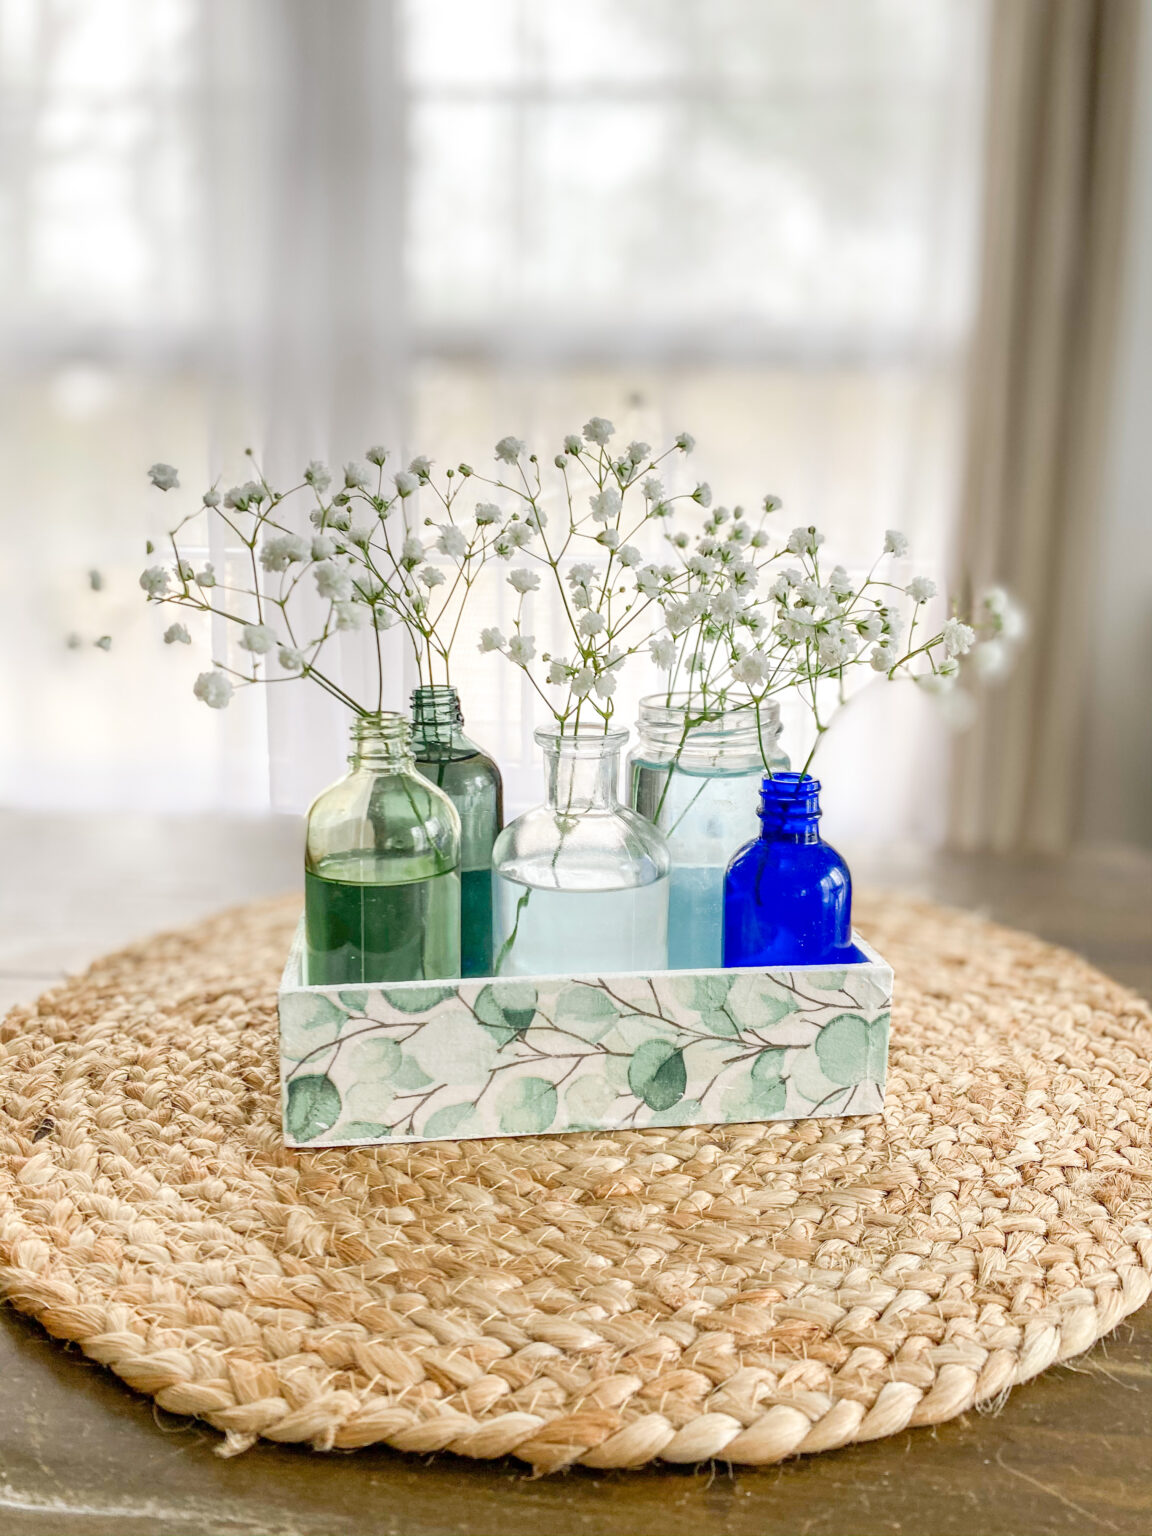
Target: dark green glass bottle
{"points": [[472, 782]]}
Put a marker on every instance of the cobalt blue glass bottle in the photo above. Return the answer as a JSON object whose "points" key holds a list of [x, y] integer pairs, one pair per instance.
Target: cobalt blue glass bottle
{"points": [[788, 895]]}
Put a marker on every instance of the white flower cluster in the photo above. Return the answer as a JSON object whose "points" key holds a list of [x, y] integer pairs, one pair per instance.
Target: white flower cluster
{"points": [[728, 611]]}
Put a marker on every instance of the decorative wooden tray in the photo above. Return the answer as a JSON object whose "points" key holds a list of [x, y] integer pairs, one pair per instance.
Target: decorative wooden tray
{"points": [[435, 1061]]}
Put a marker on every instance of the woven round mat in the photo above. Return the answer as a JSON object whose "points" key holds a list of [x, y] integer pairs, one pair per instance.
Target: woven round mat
{"points": [[745, 1293]]}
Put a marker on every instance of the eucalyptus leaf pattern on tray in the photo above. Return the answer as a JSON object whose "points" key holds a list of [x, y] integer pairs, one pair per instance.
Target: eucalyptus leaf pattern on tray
{"points": [[419, 1062]]}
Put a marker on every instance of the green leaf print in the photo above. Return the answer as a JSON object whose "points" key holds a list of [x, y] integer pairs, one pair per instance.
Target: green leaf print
{"points": [[756, 1003], [506, 1008], [363, 1130], [308, 1021], [586, 1006], [313, 1106], [657, 1074], [526, 1105], [373, 1059], [446, 1121], [707, 994], [850, 1049], [717, 1022], [827, 981], [416, 999], [355, 1000], [588, 1100], [409, 1074], [768, 1066]]}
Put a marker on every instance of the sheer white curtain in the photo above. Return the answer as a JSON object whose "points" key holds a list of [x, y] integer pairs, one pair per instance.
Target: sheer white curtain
{"points": [[308, 228]]}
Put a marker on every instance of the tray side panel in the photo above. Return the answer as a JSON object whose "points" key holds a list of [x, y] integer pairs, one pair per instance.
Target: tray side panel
{"points": [[448, 1060]]}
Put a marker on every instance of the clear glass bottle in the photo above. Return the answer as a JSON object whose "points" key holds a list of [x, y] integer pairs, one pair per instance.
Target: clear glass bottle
{"points": [[788, 894], [382, 867], [472, 782], [580, 883], [697, 776]]}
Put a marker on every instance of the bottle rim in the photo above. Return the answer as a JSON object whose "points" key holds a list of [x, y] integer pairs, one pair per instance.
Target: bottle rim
{"points": [[584, 741], [665, 709]]}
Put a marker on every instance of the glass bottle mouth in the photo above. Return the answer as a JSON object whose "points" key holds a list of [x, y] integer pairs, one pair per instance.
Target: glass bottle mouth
{"points": [[789, 802], [584, 742], [437, 704], [679, 726], [381, 734]]}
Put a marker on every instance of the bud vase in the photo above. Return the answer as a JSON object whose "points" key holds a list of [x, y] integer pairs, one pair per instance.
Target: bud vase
{"points": [[696, 774], [581, 882], [787, 894], [471, 780], [381, 873]]}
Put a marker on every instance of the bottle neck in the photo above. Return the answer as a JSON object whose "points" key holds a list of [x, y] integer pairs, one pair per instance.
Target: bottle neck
{"points": [[682, 729], [583, 770], [437, 722], [790, 808], [381, 741]]}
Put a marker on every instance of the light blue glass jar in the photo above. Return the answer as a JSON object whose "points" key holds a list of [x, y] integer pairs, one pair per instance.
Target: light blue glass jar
{"points": [[696, 774], [788, 893]]}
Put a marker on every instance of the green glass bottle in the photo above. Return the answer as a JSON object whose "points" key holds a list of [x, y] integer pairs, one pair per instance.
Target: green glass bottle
{"points": [[472, 782], [382, 867]]}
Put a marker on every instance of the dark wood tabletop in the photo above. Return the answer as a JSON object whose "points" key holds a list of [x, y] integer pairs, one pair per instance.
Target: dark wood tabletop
{"points": [[83, 1455]]}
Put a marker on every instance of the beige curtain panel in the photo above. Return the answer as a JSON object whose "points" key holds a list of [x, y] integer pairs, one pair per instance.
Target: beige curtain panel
{"points": [[1061, 98]]}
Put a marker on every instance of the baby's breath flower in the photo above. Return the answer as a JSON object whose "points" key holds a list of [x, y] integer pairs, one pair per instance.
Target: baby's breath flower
{"points": [[920, 589], [628, 554], [581, 573], [323, 547], [572, 444], [895, 543], [609, 537], [333, 581], [636, 453], [702, 495], [258, 638], [356, 477], [492, 640], [406, 483], [164, 477], [883, 658], [558, 671], [214, 689], [518, 535], [605, 685], [205, 578], [685, 442], [349, 615], [486, 513], [840, 582], [560, 461], [958, 638], [751, 669], [663, 651], [317, 475], [431, 576], [524, 581], [290, 658], [376, 454], [421, 467], [452, 542], [521, 649], [412, 552], [605, 505], [211, 498], [278, 552], [177, 634], [155, 580], [804, 541], [771, 504], [509, 449], [598, 430], [591, 623], [582, 682]]}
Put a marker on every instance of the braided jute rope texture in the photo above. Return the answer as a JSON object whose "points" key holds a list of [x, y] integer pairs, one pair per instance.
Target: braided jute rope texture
{"points": [[747, 1293]]}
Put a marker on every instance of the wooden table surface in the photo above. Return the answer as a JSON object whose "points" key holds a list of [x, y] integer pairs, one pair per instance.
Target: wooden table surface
{"points": [[82, 1455]]}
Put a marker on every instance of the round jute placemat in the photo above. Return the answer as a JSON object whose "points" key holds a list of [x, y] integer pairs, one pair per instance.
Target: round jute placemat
{"points": [[745, 1292]]}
